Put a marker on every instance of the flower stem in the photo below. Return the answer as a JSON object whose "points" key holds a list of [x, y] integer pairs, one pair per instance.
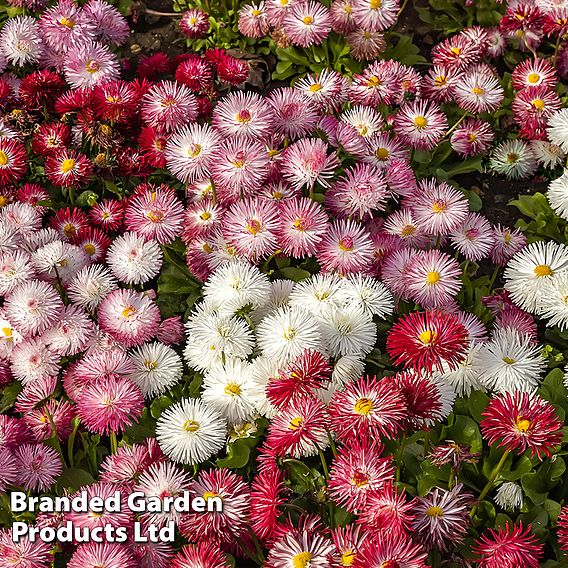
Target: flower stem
{"points": [[491, 481], [113, 443]]}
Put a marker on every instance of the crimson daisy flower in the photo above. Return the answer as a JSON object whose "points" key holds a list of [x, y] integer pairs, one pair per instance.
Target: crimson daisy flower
{"points": [[520, 421], [68, 168], [13, 161], [428, 340], [509, 547], [307, 373], [368, 407], [268, 494]]}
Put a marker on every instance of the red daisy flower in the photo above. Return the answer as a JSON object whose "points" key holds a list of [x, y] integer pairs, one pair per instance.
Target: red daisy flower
{"points": [[428, 340], [13, 161], [68, 168], [51, 137], [309, 372], [116, 101], [70, 223], [268, 494], [41, 88], [368, 407], [509, 547], [520, 421]]}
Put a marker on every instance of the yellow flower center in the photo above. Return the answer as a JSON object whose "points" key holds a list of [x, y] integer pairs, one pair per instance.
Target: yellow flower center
{"points": [[538, 104], [420, 122], [533, 78], [67, 165], [523, 425], [3, 158], [233, 389], [363, 406], [296, 423], [348, 557], [435, 512], [90, 249], [382, 154], [432, 277], [543, 270], [302, 560], [427, 337], [190, 426], [67, 22]]}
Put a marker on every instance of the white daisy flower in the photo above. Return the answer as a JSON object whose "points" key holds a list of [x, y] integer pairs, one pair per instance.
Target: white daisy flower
{"points": [[191, 432], [15, 269], [547, 154], [287, 333], [318, 293], [558, 129], [368, 293], [262, 371], [90, 285], [509, 362], [465, 378], [20, 42], [348, 331], [531, 271], [157, 367], [236, 286], [509, 496], [33, 307], [230, 389], [557, 195], [134, 260], [59, 260]]}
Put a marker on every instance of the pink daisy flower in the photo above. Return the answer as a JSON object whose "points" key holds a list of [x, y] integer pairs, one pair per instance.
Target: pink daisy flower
{"points": [[243, 116], [130, 317], [472, 137], [168, 106], [102, 555], [38, 466], [154, 212], [90, 64], [357, 472], [347, 247], [307, 23], [473, 237], [302, 226], [367, 407], [306, 163], [251, 226], [110, 405], [433, 278], [373, 16], [437, 207], [360, 191], [253, 20], [238, 169], [421, 124]]}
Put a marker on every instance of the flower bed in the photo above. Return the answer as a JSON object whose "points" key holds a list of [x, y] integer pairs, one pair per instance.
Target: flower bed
{"points": [[256, 268]]}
